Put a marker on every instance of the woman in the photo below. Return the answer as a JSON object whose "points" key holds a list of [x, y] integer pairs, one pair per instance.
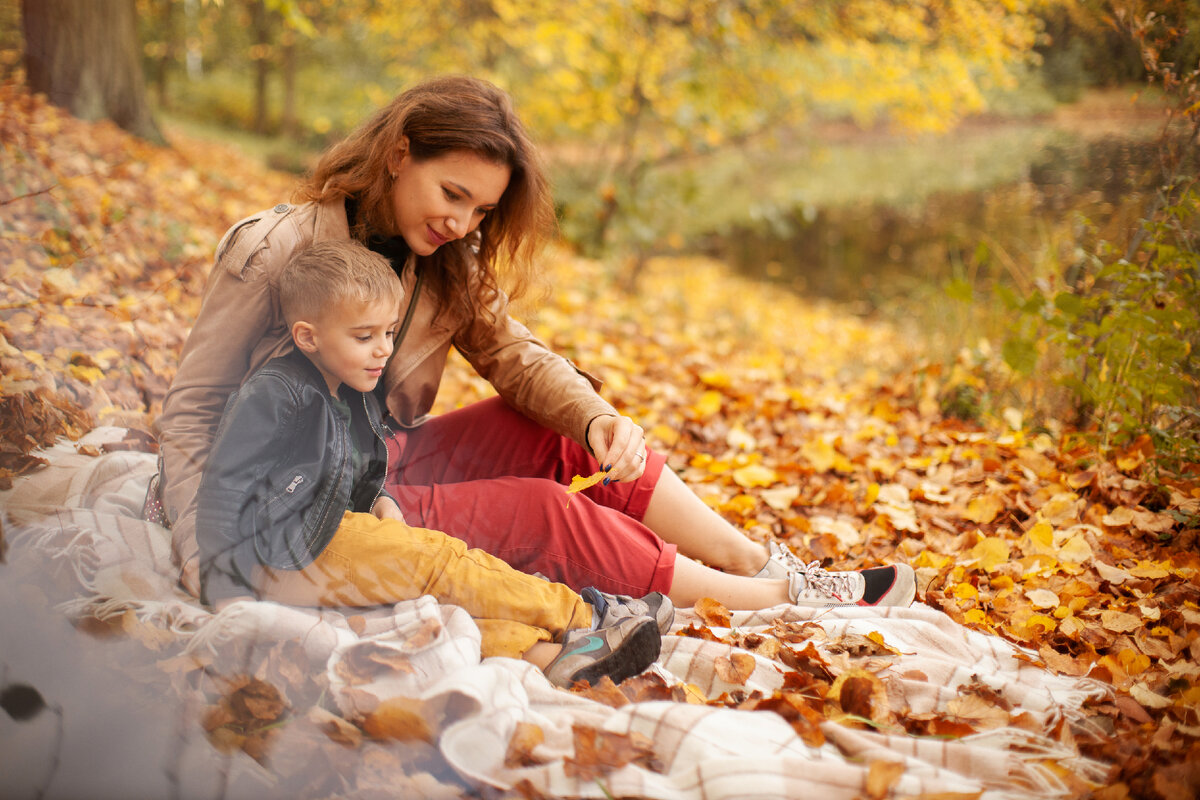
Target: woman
{"points": [[445, 182]]}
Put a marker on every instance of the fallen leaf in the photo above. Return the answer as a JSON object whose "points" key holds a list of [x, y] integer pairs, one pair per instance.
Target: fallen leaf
{"points": [[882, 776], [1042, 598], [712, 613], [1120, 622], [1148, 698], [754, 475], [734, 668], [984, 509], [401, 719], [525, 737]]}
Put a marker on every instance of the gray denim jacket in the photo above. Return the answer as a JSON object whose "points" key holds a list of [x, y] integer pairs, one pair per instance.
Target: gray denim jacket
{"points": [[282, 472]]}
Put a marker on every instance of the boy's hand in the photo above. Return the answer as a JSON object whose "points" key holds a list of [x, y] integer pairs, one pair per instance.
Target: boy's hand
{"points": [[386, 508]]}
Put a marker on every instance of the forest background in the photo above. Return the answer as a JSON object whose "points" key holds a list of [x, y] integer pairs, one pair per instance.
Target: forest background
{"points": [[985, 210], [996, 176]]}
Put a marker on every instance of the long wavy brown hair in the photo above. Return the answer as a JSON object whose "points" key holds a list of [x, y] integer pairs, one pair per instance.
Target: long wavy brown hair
{"points": [[440, 116]]}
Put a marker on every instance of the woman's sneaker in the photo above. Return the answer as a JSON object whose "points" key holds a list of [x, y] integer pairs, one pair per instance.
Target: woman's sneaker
{"points": [[809, 585], [620, 651], [612, 608]]}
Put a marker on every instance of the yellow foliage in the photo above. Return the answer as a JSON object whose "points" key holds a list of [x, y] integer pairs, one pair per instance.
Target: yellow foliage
{"points": [[989, 553]]}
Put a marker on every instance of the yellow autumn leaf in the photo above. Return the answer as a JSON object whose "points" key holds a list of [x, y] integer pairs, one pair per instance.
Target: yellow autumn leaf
{"points": [[1039, 539], [579, 483], [984, 509], [877, 638], [85, 374], [819, 453], [739, 505], [753, 475], [1130, 461], [107, 356], [989, 553], [708, 404], [1076, 550], [964, 591], [664, 433], [976, 616], [739, 439], [1133, 662], [1119, 517], [1150, 569], [780, 499], [928, 558], [716, 379], [1062, 510], [1119, 621], [1042, 598]]}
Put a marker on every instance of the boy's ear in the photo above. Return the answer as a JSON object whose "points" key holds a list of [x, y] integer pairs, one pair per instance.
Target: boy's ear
{"points": [[305, 336]]}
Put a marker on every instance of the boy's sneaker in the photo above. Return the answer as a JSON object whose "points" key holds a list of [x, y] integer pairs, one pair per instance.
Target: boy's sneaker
{"points": [[612, 608], [809, 585], [620, 652]]}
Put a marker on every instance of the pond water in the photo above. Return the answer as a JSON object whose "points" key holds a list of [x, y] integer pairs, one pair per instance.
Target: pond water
{"points": [[1062, 190]]}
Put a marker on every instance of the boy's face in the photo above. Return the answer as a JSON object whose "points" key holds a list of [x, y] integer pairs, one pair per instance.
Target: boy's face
{"points": [[350, 342]]}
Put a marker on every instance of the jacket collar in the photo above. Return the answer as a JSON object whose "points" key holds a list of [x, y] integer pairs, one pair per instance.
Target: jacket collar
{"points": [[331, 220], [309, 372]]}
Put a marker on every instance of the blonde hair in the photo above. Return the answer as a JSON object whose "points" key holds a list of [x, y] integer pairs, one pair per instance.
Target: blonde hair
{"points": [[327, 273], [439, 117]]}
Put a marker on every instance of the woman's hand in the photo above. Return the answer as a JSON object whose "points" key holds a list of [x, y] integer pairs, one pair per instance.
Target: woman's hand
{"points": [[619, 444], [386, 508]]}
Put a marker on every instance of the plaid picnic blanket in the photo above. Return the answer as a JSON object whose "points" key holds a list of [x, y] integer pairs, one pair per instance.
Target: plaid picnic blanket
{"points": [[78, 519]]}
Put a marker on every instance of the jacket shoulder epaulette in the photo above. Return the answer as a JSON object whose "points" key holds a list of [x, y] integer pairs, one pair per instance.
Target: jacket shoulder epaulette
{"points": [[242, 240]]}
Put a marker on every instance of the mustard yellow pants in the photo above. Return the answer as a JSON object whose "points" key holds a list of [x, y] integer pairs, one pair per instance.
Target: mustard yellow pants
{"points": [[379, 562]]}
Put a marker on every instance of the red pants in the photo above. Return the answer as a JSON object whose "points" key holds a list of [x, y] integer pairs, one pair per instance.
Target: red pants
{"points": [[490, 476]]}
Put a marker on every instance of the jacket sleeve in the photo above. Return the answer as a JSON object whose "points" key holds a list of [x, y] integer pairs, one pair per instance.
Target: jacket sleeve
{"points": [[253, 442], [538, 382], [235, 327]]}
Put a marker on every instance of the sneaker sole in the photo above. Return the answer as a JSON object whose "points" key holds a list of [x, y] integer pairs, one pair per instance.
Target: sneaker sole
{"points": [[642, 646]]}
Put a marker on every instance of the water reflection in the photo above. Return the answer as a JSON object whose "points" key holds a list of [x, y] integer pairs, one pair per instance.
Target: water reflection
{"points": [[865, 253]]}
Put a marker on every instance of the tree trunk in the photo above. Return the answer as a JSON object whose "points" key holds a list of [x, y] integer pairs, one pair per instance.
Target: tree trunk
{"points": [[168, 53], [85, 57], [288, 124], [258, 53]]}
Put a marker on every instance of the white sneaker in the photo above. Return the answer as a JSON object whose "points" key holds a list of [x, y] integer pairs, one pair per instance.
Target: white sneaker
{"points": [[810, 585]]}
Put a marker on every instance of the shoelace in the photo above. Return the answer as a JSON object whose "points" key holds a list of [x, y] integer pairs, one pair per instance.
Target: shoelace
{"points": [[821, 583], [817, 581]]}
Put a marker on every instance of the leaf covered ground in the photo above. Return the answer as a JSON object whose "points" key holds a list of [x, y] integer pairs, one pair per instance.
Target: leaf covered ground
{"points": [[793, 419]]}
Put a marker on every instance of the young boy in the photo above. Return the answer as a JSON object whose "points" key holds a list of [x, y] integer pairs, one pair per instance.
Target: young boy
{"points": [[292, 506]]}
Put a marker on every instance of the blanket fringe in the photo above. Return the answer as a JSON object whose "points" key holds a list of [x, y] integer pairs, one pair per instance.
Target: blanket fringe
{"points": [[179, 618], [1028, 751], [73, 552]]}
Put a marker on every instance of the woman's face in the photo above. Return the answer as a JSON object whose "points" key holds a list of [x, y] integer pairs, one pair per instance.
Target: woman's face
{"points": [[444, 198]]}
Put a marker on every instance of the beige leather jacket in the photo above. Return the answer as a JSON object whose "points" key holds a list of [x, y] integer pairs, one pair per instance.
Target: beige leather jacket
{"points": [[240, 328]]}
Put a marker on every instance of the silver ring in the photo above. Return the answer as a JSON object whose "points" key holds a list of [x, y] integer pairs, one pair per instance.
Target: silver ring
{"points": [[641, 456]]}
